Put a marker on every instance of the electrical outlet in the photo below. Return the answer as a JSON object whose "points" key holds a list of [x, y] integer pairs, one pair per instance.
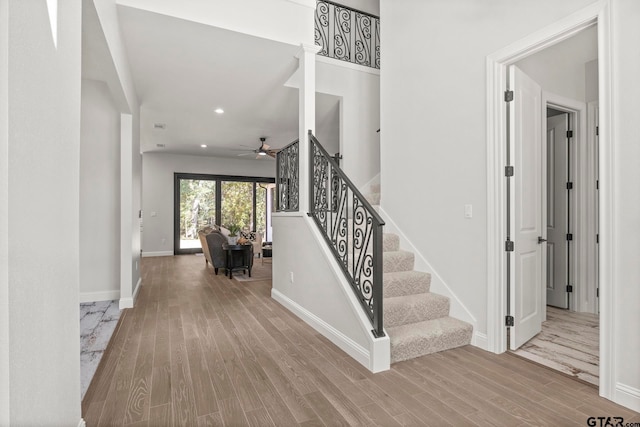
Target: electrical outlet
{"points": [[291, 276], [468, 211]]}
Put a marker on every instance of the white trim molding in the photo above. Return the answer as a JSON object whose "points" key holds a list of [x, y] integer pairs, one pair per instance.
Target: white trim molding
{"points": [[99, 296], [82, 423], [352, 348], [157, 253], [129, 302], [349, 65], [627, 396], [496, 66]]}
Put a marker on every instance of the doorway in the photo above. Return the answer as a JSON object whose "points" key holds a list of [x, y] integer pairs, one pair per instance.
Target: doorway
{"points": [[498, 187]]}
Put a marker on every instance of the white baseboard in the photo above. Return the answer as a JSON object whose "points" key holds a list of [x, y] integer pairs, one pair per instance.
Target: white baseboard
{"points": [[82, 423], [128, 302], [345, 343], [99, 296], [627, 396], [153, 254], [480, 340]]}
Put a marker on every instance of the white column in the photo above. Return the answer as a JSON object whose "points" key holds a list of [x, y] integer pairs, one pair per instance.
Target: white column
{"points": [[40, 74], [307, 114], [126, 207], [4, 214]]}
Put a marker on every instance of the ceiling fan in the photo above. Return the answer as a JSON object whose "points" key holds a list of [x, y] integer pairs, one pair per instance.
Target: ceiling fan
{"points": [[263, 151]]}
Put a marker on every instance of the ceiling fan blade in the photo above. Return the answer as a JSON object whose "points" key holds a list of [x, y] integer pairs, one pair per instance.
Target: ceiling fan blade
{"points": [[258, 157], [271, 154], [265, 146], [245, 154]]}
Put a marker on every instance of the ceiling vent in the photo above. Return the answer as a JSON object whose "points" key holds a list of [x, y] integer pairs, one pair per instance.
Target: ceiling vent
{"points": [[161, 126], [160, 145]]}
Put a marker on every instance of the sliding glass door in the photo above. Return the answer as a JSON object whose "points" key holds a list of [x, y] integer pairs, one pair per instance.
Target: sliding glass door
{"points": [[206, 200]]}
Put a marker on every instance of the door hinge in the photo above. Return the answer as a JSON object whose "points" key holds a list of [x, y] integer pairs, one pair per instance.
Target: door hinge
{"points": [[597, 292], [569, 236], [508, 246], [508, 171], [597, 238], [569, 288], [508, 95], [597, 184], [597, 130], [569, 134], [569, 185], [508, 321]]}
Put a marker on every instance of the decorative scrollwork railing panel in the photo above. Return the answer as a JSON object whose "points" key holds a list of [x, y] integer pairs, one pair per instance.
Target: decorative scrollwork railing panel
{"points": [[287, 178], [351, 228], [347, 34]]}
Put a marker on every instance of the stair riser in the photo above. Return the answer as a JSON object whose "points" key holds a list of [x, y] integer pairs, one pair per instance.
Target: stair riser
{"points": [[422, 347], [418, 310], [397, 261], [407, 284]]}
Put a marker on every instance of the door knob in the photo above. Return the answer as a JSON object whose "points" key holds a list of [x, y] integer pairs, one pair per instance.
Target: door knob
{"points": [[541, 240]]}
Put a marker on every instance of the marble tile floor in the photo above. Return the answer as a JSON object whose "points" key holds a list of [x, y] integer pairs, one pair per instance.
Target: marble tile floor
{"points": [[569, 343], [98, 320]]}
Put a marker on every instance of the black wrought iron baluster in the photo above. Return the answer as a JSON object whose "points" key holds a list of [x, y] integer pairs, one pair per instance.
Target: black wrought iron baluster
{"points": [[345, 218], [322, 27], [342, 37], [363, 39]]}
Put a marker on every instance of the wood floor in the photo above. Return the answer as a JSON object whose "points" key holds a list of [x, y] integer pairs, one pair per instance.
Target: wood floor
{"points": [[204, 350], [569, 342]]}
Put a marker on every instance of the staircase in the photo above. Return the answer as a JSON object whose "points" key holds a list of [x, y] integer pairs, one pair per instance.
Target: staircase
{"points": [[416, 320]]}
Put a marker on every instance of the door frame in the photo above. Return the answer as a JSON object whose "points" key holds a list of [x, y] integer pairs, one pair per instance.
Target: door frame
{"points": [[497, 63], [580, 171]]}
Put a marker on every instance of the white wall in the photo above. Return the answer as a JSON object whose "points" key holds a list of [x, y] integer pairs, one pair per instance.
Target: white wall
{"points": [[440, 110], [359, 90], [41, 143], [4, 214], [131, 160], [99, 194], [157, 178], [626, 127], [433, 148], [287, 21], [308, 281], [560, 69], [369, 6]]}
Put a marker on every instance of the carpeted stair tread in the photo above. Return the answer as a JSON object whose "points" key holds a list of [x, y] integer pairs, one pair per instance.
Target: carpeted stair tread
{"points": [[416, 308], [417, 339], [400, 283], [397, 261]]}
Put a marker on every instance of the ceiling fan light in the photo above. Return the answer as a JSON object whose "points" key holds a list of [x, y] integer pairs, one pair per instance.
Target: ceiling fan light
{"points": [[262, 153]]}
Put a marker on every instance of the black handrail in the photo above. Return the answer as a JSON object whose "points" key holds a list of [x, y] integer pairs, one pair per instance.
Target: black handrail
{"points": [[287, 178], [348, 221]]}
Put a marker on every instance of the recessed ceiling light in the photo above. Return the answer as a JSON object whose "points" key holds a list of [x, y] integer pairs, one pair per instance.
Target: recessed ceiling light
{"points": [[219, 110], [203, 145]]}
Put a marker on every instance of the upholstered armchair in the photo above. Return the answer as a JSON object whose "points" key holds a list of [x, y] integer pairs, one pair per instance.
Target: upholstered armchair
{"points": [[217, 256], [202, 234]]}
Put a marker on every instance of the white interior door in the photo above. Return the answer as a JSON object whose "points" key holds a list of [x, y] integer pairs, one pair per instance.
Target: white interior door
{"points": [[557, 218], [527, 197]]}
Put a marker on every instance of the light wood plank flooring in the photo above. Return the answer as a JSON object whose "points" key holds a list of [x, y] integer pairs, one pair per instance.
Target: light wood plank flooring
{"points": [[569, 342], [203, 350]]}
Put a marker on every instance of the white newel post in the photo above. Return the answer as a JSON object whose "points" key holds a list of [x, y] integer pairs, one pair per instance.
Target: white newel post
{"points": [[307, 115]]}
